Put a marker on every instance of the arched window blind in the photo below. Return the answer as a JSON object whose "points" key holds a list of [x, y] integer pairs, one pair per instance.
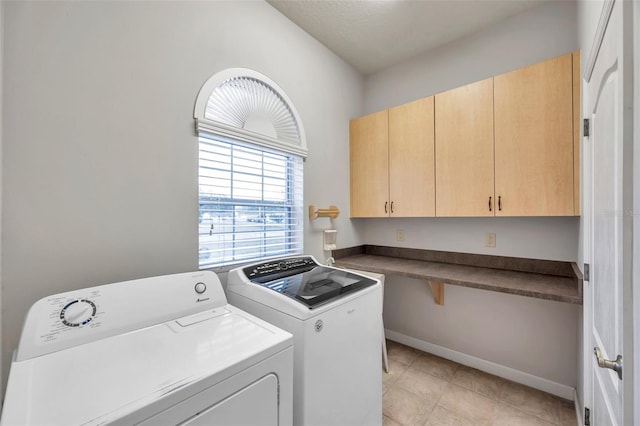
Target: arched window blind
{"points": [[251, 146], [244, 104]]}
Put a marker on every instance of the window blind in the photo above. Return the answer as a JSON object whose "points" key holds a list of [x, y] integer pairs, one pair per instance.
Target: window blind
{"points": [[250, 202]]}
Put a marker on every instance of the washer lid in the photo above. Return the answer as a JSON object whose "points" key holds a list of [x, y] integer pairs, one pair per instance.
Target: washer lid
{"points": [[102, 381], [318, 286]]}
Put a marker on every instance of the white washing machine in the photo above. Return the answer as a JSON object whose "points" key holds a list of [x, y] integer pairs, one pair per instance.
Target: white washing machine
{"points": [[335, 317], [157, 351]]}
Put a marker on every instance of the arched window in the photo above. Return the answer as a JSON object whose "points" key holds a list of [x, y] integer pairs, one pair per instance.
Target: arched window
{"points": [[252, 147]]}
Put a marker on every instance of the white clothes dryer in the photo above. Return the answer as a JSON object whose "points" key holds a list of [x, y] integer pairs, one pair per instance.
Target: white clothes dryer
{"points": [[335, 317], [156, 351]]}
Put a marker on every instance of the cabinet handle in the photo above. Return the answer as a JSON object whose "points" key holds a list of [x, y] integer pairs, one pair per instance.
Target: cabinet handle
{"points": [[499, 202], [489, 203], [392, 207], [385, 206]]}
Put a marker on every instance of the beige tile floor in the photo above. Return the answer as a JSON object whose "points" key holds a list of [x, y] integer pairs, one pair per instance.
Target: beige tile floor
{"points": [[426, 390]]}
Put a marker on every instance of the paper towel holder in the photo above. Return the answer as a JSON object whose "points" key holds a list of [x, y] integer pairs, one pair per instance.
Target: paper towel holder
{"points": [[315, 212]]}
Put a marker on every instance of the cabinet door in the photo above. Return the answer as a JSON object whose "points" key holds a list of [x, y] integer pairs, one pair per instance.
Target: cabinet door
{"points": [[369, 165], [411, 162], [464, 151], [534, 140]]}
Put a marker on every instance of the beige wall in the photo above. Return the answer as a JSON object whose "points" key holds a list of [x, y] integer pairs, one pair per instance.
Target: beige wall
{"points": [[1, 133], [532, 36], [636, 207], [530, 335], [523, 324], [100, 156]]}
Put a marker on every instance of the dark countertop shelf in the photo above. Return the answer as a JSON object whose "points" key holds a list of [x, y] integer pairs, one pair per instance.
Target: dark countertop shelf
{"points": [[550, 280]]}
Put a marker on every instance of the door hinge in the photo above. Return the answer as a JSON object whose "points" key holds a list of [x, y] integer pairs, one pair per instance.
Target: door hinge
{"points": [[586, 272], [587, 417], [585, 127]]}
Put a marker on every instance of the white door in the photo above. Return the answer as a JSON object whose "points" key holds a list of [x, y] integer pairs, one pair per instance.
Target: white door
{"points": [[607, 198]]}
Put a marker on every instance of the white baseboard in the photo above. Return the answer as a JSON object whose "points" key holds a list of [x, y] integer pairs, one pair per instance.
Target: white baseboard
{"points": [[563, 391]]}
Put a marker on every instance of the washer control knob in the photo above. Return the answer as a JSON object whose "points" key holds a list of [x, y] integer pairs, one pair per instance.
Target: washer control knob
{"points": [[200, 288]]}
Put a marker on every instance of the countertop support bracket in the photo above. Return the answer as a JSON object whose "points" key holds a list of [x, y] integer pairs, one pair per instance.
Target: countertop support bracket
{"points": [[437, 288]]}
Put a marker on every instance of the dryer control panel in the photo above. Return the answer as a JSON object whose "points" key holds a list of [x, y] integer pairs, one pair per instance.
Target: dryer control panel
{"points": [[81, 316]]}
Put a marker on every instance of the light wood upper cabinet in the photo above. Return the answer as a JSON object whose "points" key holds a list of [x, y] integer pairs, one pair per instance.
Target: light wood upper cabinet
{"points": [[533, 109], [505, 146], [411, 174], [464, 151], [369, 165], [392, 165]]}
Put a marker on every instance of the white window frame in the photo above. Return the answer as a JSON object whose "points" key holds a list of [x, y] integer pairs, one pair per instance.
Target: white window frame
{"points": [[263, 137]]}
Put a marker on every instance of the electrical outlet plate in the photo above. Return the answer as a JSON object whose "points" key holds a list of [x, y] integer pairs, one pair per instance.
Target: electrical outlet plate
{"points": [[399, 234], [490, 239]]}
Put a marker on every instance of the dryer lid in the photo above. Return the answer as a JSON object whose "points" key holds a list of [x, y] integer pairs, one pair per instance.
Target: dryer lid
{"points": [[124, 375], [78, 317]]}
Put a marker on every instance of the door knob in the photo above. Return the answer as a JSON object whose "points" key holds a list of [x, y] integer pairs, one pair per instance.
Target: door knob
{"points": [[605, 363]]}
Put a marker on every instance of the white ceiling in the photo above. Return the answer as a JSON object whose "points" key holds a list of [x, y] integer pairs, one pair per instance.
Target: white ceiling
{"points": [[372, 35]]}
